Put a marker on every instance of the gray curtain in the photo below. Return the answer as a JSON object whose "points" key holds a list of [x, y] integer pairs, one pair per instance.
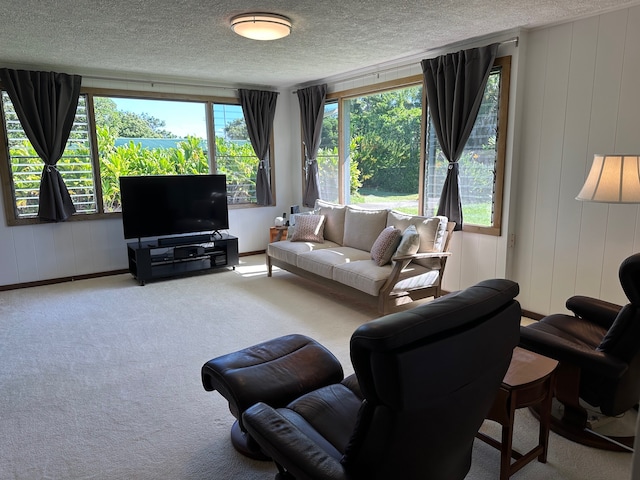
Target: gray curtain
{"points": [[455, 86], [46, 104], [311, 101], [259, 109]]}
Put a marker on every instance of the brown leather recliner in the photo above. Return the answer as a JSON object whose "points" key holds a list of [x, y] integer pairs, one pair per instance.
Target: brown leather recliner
{"points": [[424, 382], [599, 353]]}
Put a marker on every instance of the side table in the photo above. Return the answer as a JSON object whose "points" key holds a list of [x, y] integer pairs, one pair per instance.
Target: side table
{"points": [[528, 382], [277, 233]]}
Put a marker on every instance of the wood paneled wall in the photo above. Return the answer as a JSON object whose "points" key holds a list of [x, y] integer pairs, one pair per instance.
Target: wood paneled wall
{"points": [[581, 97]]}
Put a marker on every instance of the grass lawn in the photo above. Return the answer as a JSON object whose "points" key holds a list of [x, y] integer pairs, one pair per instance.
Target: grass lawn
{"points": [[474, 214]]}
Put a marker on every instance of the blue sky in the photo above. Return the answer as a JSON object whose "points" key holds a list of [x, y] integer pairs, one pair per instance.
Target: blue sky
{"points": [[181, 118]]}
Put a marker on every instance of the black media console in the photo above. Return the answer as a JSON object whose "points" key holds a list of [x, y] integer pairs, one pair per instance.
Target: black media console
{"points": [[170, 257]]}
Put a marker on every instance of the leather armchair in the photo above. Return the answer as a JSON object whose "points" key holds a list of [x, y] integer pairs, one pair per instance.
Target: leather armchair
{"points": [[424, 382], [599, 353]]}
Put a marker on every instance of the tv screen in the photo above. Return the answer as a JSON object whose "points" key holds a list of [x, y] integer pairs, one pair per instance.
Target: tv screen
{"points": [[154, 206]]}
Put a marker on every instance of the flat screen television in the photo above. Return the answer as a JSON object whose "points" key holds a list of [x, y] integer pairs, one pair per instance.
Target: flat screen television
{"points": [[155, 206]]}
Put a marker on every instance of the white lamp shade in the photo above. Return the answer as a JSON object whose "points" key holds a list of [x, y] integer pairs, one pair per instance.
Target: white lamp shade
{"points": [[612, 179], [261, 26]]}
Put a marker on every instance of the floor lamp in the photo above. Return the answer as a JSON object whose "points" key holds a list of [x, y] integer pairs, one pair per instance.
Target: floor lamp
{"points": [[612, 179], [615, 179]]}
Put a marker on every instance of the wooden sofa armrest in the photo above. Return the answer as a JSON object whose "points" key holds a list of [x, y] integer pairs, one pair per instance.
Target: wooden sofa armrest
{"points": [[417, 256]]}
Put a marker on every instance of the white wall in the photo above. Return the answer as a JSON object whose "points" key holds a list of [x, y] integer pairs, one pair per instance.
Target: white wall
{"points": [[581, 97], [47, 251]]}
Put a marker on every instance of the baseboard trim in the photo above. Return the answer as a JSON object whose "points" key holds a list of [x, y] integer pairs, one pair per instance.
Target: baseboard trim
{"points": [[532, 315], [53, 281], [525, 313]]}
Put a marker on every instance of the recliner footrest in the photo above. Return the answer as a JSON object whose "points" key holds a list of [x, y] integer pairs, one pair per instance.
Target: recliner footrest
{"points": [[273, 372]]}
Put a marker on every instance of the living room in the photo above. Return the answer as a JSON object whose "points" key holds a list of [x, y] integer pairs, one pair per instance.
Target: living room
{"points": [[573, 94]]}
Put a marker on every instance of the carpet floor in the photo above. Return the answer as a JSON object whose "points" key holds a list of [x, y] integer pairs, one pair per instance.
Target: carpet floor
{"points": [[100, 378]]}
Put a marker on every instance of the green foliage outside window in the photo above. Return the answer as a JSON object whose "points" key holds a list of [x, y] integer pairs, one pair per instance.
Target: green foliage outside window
{"points": [[237, 161]]}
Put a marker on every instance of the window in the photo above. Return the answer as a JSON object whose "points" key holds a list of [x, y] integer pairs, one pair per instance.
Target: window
{"points": [[381, 146], [123, 133], [482, 161], [327, 157], [147, 137], [25, 166], [234, 155]]}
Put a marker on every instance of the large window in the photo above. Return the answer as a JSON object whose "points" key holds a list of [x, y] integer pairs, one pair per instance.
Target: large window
{"points": [[382, 148], [481, 165], [384, 160], [117, 133], [75, 166]]}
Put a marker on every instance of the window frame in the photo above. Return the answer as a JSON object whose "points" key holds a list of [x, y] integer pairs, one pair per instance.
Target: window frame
{"points": [[6, 178], [502, 63]]}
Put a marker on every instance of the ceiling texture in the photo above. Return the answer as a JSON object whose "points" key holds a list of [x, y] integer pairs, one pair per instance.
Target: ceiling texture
{"points": [[191, 41]]}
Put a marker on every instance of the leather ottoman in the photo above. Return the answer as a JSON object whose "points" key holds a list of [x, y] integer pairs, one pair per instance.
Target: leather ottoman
{"points": [[274, 372]]}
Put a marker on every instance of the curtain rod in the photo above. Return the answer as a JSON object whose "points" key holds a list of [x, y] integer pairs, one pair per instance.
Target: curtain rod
{"points": [[154, 82], [515, 40]]}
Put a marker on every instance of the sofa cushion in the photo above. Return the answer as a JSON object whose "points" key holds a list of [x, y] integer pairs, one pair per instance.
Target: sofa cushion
{"points": [[385, 245], [334, 220], [409, 242], [432, 231], [363, 275], [322, 262], [362, 227], [309, 228], [287, 251]]}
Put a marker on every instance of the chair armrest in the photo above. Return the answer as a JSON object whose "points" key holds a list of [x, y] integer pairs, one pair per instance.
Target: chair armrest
{"points": [[594, 310], [417, 256], [571, 353], [289, 446]]}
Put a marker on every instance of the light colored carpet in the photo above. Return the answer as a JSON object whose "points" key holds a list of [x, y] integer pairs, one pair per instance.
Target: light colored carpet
{"points": [[101, 378]]}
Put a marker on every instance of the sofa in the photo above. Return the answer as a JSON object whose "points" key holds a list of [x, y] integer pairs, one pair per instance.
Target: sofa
{"points": [[382, 253]]}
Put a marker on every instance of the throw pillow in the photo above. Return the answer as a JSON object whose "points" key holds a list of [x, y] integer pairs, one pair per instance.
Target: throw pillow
{"points": [[385, 245], [309, 228], [409, 243]]}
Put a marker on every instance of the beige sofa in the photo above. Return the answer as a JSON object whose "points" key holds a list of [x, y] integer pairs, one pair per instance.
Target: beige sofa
{"points": [[382, 253]]}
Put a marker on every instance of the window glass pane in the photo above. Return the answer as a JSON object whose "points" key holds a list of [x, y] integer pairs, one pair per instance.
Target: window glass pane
{"points": [[75, 166], [234, 154], [148, 137], [477, 163], [382, 132], [328, 159]]}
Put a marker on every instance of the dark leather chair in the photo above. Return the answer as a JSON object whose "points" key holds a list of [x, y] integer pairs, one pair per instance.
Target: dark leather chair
{"points": [[424, 382], [599, 353]]}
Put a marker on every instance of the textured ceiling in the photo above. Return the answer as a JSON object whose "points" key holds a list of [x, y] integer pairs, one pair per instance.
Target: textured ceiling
{"points": [[191, 39]]}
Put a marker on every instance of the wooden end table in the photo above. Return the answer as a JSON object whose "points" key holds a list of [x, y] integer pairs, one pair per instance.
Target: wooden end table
{"points": [[277, 233], [528, 382]]}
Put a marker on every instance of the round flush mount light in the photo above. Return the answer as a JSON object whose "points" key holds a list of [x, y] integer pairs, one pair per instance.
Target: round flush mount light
{"points": [[261, 26]]}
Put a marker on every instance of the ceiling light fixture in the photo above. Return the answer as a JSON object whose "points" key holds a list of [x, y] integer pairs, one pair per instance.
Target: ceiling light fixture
{"points": [[261, 26]]}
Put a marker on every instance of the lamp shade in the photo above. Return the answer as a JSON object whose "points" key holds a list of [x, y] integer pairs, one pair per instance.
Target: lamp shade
{"points": [[261, 26], [612, 179]]}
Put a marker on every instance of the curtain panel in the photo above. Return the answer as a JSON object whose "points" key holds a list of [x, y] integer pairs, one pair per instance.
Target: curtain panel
{"points": [[455, 85], [259, 109], [46, 104], [311, 101]]}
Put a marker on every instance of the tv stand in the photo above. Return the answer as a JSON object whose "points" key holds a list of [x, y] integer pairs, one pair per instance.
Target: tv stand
{"points": [[175, 256]]}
